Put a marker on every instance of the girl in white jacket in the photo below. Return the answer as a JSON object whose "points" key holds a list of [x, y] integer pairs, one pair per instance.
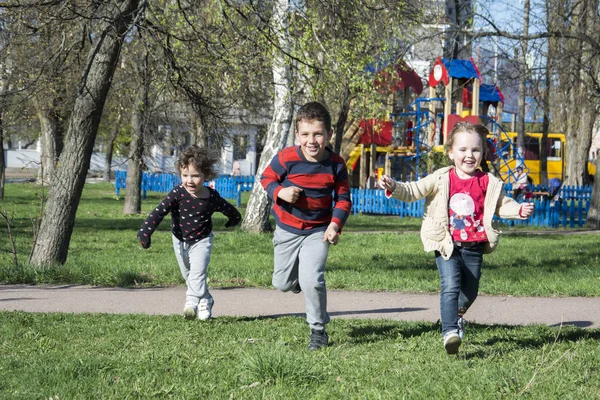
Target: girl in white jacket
{"points": [[460, 204]]}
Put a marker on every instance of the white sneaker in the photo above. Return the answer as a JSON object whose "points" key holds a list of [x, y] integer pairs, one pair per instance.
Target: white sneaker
{"points": [[461, 327], [189, 311], [451, 342], [205, 309]]}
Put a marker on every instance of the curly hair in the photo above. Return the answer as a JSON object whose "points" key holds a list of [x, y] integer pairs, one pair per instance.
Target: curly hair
{"points": [[201, 159], [461, 127]]}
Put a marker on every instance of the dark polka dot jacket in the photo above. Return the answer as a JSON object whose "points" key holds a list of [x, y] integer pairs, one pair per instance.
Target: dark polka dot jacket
{"points": [[190, 216]]}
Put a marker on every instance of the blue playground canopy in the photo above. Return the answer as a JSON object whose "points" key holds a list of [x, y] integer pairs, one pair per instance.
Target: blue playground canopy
{"points": [[490, 93], [465, 69]]}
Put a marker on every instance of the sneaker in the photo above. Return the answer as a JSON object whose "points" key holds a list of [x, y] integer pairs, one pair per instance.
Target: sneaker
{"points": [[205, 309], [318, 339], [451, 342], [189, 312], [461, 327], [296, 289]]}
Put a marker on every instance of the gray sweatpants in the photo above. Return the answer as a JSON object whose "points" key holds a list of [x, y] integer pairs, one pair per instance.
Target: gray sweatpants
{"points": [[302, 258], [193, 262]]}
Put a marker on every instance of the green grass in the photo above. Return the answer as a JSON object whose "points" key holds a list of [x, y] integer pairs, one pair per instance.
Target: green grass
{"points": [[104, 251], [85, 356]]}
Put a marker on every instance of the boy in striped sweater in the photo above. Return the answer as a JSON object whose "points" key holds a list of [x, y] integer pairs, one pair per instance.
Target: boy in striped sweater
{"points": [[304, 182]]}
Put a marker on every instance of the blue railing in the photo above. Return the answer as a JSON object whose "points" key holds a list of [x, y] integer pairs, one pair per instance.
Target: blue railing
{"points": [[373, 201], [229, 187], [567, 208], [564, 207]]}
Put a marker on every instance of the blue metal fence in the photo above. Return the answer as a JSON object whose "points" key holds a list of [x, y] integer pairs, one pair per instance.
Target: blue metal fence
{"points": [[229, 187], [566, 207]]}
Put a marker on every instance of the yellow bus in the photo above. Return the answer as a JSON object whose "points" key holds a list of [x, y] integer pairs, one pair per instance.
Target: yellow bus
{"points": [[554, 148]]}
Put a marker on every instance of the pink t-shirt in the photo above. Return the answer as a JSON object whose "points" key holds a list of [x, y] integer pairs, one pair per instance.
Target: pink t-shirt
{"points": [[465, 207]]}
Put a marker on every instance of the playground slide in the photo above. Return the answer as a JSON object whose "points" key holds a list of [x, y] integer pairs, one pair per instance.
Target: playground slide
{"points": [[353, 157]]}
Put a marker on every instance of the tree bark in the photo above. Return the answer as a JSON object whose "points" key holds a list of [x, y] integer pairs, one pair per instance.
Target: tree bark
{"points": [[582, 109], [3, 89], [341, 122], [52, 141], [523, 82], [593, 216], [110, 147], [2, 160], [133, 191], [546, 98], [256, 218], [52, 244]]}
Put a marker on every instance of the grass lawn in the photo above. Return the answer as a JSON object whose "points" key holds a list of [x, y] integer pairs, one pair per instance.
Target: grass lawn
{"points": [[104, 251], [83, 356]]}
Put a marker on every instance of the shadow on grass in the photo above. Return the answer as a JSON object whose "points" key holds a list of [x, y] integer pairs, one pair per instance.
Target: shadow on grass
{"points": [[507, 338], [337, 313], [132, 279], [372, 334]]}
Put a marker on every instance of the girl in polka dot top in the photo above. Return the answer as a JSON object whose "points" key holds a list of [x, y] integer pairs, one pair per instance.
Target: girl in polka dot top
{"points": [[191, 206]]}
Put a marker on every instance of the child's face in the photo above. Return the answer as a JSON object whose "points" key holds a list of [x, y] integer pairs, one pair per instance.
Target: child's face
{"points": [[312, 137], [192, 179], [466, 153]]}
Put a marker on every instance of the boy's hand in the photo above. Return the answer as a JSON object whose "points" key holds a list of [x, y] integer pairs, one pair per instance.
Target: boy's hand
{"points": [[331, 234], [387, 183], [290, 194], [526, 210]]}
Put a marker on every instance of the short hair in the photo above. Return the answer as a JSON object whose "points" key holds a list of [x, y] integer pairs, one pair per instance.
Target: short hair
{"points": [[201, 159], [461, 127], [314, 111]]}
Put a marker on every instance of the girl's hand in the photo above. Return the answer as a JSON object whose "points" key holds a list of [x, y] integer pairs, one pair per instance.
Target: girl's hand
{"points": [[387, 183], [526, 210]]}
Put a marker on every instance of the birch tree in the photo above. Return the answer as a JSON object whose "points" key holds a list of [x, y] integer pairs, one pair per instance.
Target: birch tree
{"points": [[256, 218]]}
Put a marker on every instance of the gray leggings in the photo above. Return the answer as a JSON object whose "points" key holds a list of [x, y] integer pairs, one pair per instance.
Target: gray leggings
{"points": [[193, 262], [301, 258]]}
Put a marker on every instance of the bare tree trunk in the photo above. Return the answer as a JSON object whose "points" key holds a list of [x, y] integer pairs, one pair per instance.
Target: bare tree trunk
{"points": [[133, 191], [579, 140], [341, 122], [523, 82], [200, 138], [3, 89], [2, 160], [51, 138], [593, 216], [546, 99], [583, 107], [257, 211], [110, 150], [52, 244]]}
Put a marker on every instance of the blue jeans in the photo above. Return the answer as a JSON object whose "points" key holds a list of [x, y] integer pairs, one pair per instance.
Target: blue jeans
{"points": [[459, 278]]}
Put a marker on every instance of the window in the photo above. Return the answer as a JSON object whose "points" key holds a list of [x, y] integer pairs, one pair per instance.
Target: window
{"points": [[532, 148], [554, 149]]}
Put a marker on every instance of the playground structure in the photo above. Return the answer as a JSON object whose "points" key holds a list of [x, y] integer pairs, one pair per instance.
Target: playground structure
{"points": [[405, 145]]}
